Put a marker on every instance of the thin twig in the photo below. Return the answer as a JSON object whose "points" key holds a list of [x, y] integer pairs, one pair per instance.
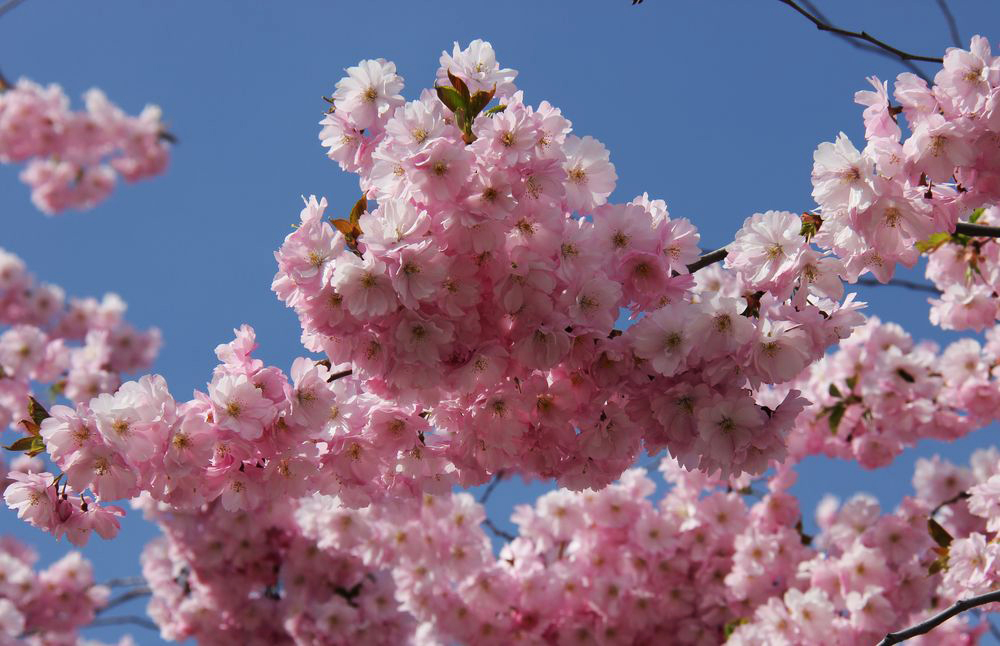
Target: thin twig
{"points": [[959, 496], [339, 375], [493, 485], [900, 282], [125, 619], [925, 627], [860, 35], [7, 6], [952, 25], [977, 230], [707, 259], [126, 581], [910, 65], [125, 598], [507, 536]]}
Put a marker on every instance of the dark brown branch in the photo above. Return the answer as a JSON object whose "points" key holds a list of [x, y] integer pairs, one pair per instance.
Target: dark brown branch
{"points": [[707, 259], [938, 619], [910, 65], [899, 282], [125, 619], [949, 17], [507, 536], [493, 485], [860, 35], [977, 230]]}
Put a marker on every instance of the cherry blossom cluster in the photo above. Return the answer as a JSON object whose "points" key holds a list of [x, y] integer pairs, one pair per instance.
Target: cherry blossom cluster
{"points": [[878, 573], [239, 578], [78, 349], [483, 288], [881, 392], [45, 607], [41, 344], [74, 157], [877, 204], [967, 271], [612, 567]]}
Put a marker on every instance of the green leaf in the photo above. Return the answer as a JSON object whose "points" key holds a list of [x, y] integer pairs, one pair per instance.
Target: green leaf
{"points": [[38, 446], [852, 382], [459, 85], [23, 444], [836, 415], [941, 562], [933, 242], [480, 100], [938, 533], [731, 627], [359, 208], [497, 109], [450, 98], [343, 226], [37, 411], [834, 391], [978, 213]]}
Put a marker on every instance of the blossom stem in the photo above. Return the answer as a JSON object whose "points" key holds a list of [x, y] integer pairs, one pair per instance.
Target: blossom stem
{"points": [[925, 627], [860, 35]]}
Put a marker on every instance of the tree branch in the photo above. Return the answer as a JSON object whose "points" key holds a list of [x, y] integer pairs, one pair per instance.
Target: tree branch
{"points": [[965, 228], [860, 35], [126, 581], [899, 282], [959, 496], [7, 6], [977, 230], [493, 485], [707, 259], [507, 536], [125, 598], [952, 25], [339, 375], [925, 627], [910, 65], [125, 619]]}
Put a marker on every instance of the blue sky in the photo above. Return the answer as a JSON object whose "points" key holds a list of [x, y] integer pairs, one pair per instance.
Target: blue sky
{"points": [[714, 106]]}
